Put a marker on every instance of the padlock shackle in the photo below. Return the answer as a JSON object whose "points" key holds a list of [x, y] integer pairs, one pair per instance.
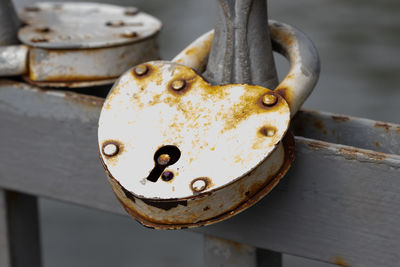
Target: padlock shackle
{"points": [[304, 60], [288, 41]]}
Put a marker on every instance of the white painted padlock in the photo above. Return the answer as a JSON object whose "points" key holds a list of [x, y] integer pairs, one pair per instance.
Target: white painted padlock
{"points": [[181, 153], [79, 44]]}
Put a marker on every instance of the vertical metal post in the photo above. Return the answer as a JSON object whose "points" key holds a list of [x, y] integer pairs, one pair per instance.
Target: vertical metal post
{"points": [[241, 53], [220, 252], [23, 229], [4, 241], [242, 49], [9, 23]]}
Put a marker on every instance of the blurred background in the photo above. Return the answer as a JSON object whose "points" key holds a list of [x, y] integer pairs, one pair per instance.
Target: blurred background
{"points": [[359, 45]]}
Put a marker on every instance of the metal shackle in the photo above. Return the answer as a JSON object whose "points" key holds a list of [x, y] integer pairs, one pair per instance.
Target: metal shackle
{"points": [[292, 43]]}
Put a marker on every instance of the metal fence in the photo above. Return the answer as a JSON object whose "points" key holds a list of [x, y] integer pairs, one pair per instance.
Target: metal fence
{"points": [[338, 204]]}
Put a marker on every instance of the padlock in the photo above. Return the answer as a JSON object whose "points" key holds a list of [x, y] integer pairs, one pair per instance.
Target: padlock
{"points": [[180, 152], [79, 44]]}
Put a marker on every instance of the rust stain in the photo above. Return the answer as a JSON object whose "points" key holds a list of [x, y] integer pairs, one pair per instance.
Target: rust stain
{"points": [[189, 77], [377, 144], [340, 118], [317, 145], [149, 72], [383, 125], [165, 205], [150, 223], [199, 52], [113, 160], [341, 262], [284, 38], [85, 99], [352, 153], [286, 93], [320, 126], [208, 184]]}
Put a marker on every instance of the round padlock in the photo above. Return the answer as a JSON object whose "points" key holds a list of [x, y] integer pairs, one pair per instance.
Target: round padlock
{"points": [[79, 44], [180, 152]]}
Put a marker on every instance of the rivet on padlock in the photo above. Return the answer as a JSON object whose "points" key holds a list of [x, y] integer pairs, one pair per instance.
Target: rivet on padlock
{"points": [[191, 153]]}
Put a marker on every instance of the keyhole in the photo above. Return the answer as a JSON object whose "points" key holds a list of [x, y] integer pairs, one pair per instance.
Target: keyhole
{"points": [[164, 157]]}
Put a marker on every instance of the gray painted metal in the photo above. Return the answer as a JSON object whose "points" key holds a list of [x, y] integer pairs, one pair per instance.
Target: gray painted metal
{"points": [[9, 23], [79, 44], [82, 25], [337, 204], [13, 60], [4, 240], [219, 252], [340, 129], [23, 230], [241, 51]]}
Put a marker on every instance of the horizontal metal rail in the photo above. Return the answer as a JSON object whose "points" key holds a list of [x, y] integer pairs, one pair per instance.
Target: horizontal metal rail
{"points": [[338, 203]]}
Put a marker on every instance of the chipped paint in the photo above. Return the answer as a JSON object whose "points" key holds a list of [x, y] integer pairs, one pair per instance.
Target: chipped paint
{"points": [[291, 43], [210, 126]]}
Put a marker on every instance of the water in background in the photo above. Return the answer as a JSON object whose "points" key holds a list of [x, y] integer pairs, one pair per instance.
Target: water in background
{"points": [[359, 44]]}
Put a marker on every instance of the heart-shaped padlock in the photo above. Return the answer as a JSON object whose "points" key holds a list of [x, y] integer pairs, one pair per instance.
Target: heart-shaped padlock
{"points": [[181, 153]]}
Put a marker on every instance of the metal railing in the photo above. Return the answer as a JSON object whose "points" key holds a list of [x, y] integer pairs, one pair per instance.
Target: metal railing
{"points": [[338, 204]]}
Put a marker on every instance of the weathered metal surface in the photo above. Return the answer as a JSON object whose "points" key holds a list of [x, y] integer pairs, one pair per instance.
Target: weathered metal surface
{"points": [[242, 49], [82, 44], [195, 56], [338, 206], [293, 44], [9, 23], [166, 112], [13, 60], [379, 136], [84, 25], [80, 67], [219, 252]]}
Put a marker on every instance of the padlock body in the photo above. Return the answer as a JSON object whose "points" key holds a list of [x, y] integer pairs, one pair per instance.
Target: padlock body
{"points": [[180, 152]]}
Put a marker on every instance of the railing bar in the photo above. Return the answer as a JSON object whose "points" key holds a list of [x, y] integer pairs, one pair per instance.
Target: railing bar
{"points": [[23, 229], [4, 240]]}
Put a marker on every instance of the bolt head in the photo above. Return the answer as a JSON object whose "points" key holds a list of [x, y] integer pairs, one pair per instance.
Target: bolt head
{"points": [[199, 185], [164, 159], [269, 100], [110, 150], [270, 132], [129, 34], [141, 70], [115, 23], [167, 176], [178, 85]]}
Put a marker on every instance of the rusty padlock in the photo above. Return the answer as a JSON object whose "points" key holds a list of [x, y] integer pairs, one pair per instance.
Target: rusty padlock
{"points": [[181, 153], [79, 44]]}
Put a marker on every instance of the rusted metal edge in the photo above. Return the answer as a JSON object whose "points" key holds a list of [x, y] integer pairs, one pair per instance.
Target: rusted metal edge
{"points": [[70, 84], [289, 147], [296, 46], [351, 153], [352, 198], [374, 135]]}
